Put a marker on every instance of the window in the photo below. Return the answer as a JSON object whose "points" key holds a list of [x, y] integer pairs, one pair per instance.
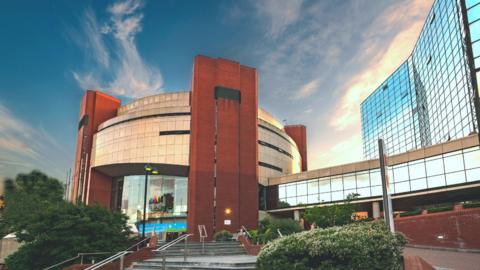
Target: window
{"points": [[434, 167], [453, 163]]}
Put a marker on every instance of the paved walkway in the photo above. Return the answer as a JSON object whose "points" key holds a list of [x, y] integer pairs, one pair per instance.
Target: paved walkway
{"points": [[444, 260]]}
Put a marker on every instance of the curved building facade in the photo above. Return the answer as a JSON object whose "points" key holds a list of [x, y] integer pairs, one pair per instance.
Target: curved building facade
{"points": [[213, 147]]}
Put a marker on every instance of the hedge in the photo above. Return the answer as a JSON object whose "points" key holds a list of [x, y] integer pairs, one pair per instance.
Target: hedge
{"points": [[440, 209], [411, 213], [354, 246]]}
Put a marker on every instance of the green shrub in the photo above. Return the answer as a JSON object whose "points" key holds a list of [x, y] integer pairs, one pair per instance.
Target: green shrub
{"points": [[269, 227], [222, 236], [411, 213], [440, 209], [471, 205], [354, 246]]}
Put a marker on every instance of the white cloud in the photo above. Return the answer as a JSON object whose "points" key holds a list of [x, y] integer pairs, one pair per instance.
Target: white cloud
{"points": [[307, 89], [343, 152], [280, 13], [128, 74], [381, 65], [24, 147]]}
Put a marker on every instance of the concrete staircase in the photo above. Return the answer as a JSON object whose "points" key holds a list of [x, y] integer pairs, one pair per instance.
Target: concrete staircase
{"points": [[216, 255]]}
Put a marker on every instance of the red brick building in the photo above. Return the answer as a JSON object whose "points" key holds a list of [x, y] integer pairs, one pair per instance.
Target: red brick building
{"points": [[213, 147]]}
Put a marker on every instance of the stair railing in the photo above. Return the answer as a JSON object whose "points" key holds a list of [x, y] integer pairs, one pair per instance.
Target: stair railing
{"points": [[164, 248], [279, 233], [244, 230], [203, 235], [119, 255]]}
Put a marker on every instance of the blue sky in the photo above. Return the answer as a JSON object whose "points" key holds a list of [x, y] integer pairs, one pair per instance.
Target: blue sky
{"points": [[317, 60]]}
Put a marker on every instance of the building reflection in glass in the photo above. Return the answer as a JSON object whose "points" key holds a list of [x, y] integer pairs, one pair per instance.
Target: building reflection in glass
{"points": [[166, 200]]}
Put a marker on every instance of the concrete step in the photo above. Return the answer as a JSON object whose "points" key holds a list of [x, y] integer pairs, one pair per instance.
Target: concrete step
{"points": [[158, 264], [199, 253]]}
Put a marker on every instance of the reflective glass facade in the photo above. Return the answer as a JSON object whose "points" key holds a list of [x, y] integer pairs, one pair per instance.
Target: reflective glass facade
{"points": [[458, 167], [429, 98], [166, 199]]}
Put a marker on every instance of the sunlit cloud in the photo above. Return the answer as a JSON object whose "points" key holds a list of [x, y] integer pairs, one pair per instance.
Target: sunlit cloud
{"points": [[381, 65], [120, 68], [343, 152], [24, 147]]}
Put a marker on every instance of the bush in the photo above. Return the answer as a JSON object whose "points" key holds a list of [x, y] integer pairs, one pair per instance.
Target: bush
{"points": [[269, 227], [354, 246], [222, 236], [411, 213], [332, 215], [440, 209]]}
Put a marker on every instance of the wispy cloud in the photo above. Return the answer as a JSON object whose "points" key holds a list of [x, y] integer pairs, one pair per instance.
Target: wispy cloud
{"points": [[280, 14], [381, 65], [24, 147], [119, 68], [308, 89], [330, 57]]}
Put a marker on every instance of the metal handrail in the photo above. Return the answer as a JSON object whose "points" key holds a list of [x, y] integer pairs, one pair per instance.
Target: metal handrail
{"points": [[243, 229], [79, 255], [110, 259], [279, 233], [60, 263], [138, 244], [163, 248], [179, 239], [119, 255]]}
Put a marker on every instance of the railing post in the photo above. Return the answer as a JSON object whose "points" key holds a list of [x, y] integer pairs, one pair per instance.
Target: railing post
{"points": [[164, 259], [81, 259], [185, 250], [121, 262]]}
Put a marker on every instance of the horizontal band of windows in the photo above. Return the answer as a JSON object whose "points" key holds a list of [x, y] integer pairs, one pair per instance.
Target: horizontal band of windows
{"points": [[174, 132], [273, 131], [270, 166], [275, 148], [147, 116]]}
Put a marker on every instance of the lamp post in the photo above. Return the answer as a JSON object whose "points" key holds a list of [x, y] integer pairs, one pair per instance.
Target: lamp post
{"points": [[151, 170]]}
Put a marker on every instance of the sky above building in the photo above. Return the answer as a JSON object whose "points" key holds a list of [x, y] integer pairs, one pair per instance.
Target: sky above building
{"points": [[317, 61]]}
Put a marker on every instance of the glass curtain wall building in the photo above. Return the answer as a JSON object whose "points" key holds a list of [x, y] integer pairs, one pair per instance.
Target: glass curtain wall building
{"points": [[432, 172], [430, 98]]}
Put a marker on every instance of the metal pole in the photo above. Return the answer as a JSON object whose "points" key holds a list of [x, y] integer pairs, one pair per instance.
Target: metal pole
{"points": [[387, 201], [121, 262], [145, 205], [164, 261], [185, 250]]}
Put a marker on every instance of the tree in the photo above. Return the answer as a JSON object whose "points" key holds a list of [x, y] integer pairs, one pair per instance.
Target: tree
{"points": [[53, 230], [26, 198], [333, 215], [269, 227]]}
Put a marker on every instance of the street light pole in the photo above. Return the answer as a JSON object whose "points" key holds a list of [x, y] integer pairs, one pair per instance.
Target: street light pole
{"points": [[152, 170], [145, 203]]}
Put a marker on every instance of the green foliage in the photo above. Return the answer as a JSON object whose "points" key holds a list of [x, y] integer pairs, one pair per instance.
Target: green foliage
{"points": [[222, 236], [333, 215], [354, 246], [269, 227], [471, 205], [282, 204], [440, 209], [52, 230], [411, 213], [25, 200]]}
